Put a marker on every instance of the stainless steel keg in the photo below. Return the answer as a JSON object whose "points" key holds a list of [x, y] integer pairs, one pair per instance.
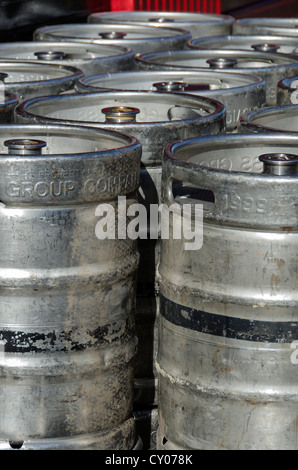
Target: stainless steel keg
{"points": [[287, 91], [227, 358], [238, 92], [136, 37], [270, 26], [91, 58], [155, 119], [8, 102], [256, 42], [199, 24], [271, 67], [271, 119], [67, 335], [28, 79]]}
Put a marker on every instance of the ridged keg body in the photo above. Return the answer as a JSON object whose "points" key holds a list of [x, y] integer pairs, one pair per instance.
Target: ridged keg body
{"points": [[227, 358], [163, 118], [239, 93], [198, 24], [91, 58], [27, 79], [271, 67], [138, 38], [67, 308]]}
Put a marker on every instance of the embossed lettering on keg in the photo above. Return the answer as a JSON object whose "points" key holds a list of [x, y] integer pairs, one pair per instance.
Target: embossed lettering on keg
{"points": [[27, 79], [150, 37], [238, 92], [91, 58], [67, 311], [227, 378], [199, 24], [162, 118], [271, 67], [258, 42], [271, 119]]}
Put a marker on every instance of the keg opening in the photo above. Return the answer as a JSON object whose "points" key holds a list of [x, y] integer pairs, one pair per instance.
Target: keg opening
{"points": [[120, 113], [279, 164], [112, 35], [50, 55], [16, 444], [184, 193], [24, 146], [170, 86], [266, 47], [221, 63], [161, 20]]}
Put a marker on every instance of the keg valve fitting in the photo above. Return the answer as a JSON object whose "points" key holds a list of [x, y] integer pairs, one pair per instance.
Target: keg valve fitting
{"points": [[221, 63], [170, 86], [50, 55], [120, 114], [24, 146], [279, 164]]}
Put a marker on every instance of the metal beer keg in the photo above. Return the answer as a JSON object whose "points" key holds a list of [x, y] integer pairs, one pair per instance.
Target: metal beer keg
{"points": [[67, 310], [271, 67], [249, 42], [91, 58], [28, 79], [136, 37], [227, 359], [155, 119], [198, 24], [238, 92]]}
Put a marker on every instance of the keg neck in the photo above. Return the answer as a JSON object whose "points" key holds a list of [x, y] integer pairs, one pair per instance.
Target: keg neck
{"points": [[25, 146], [279, 164]]}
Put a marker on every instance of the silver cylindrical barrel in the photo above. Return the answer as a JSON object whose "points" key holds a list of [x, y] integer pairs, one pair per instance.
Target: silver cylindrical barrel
{"points": [[136, 37], [28, 79], [91, 58], [287, 91], [270, 26], [67, 333], [162, 118], [227, 357], [238, 92], [271, 119], [271, 67], [198, 24], [256, 42]]}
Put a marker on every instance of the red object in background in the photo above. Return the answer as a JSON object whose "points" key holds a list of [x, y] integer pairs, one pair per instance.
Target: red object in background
{"points": [[202, 6]]}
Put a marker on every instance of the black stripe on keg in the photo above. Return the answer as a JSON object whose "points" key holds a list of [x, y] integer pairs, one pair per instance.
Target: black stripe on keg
{"points": [[228, 327]]}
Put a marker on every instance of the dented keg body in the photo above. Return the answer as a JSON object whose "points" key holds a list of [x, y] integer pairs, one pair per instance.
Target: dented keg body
{"points": [[287, 91], [226, 357], [271, 119], [27, 79], [270, 26], [91, 58], [251, 42], [163, 118], [271, 67], [67, 309], [198, 24], [136, 37], [239, 93]]}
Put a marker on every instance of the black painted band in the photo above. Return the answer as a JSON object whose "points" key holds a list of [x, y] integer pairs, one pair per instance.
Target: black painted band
{"points": [[228, 327]]}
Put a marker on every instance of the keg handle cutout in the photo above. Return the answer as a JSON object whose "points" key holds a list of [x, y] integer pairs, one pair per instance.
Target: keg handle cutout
{"points": [[183, 192], [112, 35]]}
